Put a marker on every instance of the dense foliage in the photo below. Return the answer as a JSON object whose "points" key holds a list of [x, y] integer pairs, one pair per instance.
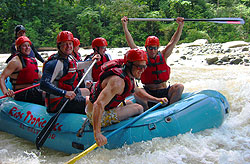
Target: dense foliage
{"points": [[88, 19]]}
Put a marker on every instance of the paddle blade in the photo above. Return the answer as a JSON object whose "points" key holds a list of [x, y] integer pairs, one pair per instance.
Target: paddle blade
{"points": [[45, 132], [76, 158], [220, 20], [228, 20]]}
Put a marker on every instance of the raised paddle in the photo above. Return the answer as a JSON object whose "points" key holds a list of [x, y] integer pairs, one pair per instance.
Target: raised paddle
{"points": [[44, 133], [24, 89], [214, 20], [79, 156]]}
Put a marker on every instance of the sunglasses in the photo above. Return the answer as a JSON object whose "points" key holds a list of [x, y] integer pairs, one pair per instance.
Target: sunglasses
{"points": [[103, 47], [140, 67], [152, 48]]}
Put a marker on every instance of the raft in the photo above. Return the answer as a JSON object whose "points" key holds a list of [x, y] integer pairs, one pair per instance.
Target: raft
{"points": [[195, 112]]}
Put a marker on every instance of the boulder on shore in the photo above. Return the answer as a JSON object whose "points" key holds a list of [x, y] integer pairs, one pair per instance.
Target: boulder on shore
{"points": [[198, 42], [234, 44]]}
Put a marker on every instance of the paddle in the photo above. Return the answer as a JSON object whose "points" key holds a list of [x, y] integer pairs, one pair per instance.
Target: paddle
{"points": [[44, 133], [24, 89], [73, 160], [214, 20]]}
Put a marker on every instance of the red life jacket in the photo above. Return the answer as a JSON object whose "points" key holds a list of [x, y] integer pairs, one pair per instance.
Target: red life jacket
{"points": [[96, 70], [157, 70], [29, 73], [117, 99], [68, 81], [112, 64], [77, 56]]}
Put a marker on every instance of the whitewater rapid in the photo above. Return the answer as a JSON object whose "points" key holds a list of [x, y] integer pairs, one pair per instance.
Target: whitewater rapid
{"points": [[229, 144]]}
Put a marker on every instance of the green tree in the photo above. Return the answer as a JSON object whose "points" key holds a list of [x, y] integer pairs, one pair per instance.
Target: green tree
{"points": [[90, 25], [88, 19]]}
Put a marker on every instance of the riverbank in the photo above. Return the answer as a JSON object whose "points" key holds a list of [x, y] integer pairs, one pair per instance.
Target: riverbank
{"points": [[190, 54], [197, 52]]}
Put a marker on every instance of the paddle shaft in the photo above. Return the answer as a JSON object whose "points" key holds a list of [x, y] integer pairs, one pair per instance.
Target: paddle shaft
{"points": [[21, 90], [43, 135], [215, 20], [79, 156]]}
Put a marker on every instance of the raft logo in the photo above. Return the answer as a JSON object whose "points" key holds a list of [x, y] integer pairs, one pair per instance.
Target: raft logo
{"points": [[35, 131], [28, 117]]}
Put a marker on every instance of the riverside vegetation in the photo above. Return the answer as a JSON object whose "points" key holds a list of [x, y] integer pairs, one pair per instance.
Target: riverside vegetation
{"points": [[88, 19]]}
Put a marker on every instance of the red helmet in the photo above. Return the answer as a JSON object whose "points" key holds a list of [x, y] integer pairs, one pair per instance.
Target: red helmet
{"points": [[135, 55], [99, 42], [64, 36], [152, 40], [21, 40], [76, 42]]}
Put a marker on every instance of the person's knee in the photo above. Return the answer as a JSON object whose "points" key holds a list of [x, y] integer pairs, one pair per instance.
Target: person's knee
{"points": [[139, 109], [85, 92], [178, 88], [143, 103]]}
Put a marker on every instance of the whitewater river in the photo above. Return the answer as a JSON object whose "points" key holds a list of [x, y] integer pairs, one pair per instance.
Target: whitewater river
{"points": [[229, 144]]}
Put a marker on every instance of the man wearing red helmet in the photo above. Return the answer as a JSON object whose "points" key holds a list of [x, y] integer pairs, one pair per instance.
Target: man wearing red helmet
{"points": [[157, 73], [99, 46], [113, 86], [76, 54], [23, 72], [60, 77], [21, 31]]}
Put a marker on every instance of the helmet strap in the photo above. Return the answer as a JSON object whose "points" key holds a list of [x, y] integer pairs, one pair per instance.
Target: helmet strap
{"points": [[18, 48], [96, 50], [129, 66]]}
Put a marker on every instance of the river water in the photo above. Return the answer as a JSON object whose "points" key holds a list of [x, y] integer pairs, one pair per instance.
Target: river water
{"points": [[229, 144]]}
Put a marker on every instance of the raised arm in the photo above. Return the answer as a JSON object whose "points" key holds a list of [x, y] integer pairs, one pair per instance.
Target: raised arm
{"points": [[129, 38], [175, 38]]}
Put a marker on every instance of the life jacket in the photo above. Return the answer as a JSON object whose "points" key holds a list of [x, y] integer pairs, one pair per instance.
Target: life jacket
{"points": [[29, 73], [67, 82], [96, 70], [109, 70], [157, 70], [112, 64], [77, 56]]}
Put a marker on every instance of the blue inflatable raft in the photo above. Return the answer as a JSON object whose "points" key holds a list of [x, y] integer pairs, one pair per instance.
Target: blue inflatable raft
{"points": [[194, 112]]}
